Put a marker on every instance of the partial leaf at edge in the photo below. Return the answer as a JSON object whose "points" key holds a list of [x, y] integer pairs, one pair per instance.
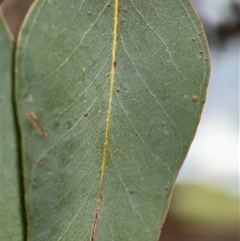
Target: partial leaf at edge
{"points": [[10, 215], [79, 106]]}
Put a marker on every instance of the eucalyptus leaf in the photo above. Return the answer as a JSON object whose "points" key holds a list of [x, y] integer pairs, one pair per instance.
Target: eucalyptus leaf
{"points": [[109, 98], [11, 224]]}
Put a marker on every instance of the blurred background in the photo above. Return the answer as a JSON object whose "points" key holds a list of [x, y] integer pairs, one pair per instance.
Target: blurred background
{"points": [[205, 203]]}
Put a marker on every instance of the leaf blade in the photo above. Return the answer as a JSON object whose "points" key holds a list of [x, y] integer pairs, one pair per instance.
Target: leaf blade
{"points": [[67, 88]]}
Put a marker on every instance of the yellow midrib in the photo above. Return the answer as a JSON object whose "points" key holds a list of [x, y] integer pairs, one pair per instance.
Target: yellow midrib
{"points": [[114, 48], [106, 140]]}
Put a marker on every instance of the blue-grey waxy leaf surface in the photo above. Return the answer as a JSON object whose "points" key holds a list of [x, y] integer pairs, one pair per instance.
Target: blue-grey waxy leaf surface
{"points": [[11, 225], [110, 96]]}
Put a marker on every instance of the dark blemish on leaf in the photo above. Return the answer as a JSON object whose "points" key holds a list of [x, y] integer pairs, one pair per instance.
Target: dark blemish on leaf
{"points": [[118, 89], [161, 63], [194, 98], [86, 114], [206, 60], [203, 101], [132, 191], [123, 20], [89, 13], [193, 39], [115, 64], [55, 124], [163, 123], [109, 5], [125, 10], [201, 52], [40, 162], [199, 34], [37, 125], [166, 188]]}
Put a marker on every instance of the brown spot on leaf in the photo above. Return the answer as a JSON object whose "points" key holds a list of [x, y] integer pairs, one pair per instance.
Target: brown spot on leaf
{"points": [[118, 89], [40, 162], [86, 114], [89, 13], [194, 98]]}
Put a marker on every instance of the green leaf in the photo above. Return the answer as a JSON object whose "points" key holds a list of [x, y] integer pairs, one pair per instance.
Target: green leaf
{"points": [[110, 96], [11, 224]]}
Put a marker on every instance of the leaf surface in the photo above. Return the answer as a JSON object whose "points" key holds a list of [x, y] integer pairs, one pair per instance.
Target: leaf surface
{"points": [[110, 96], [11, 224]]}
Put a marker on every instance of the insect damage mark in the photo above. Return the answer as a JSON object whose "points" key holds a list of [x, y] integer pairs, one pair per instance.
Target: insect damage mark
{"points": [[37, 125]]}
